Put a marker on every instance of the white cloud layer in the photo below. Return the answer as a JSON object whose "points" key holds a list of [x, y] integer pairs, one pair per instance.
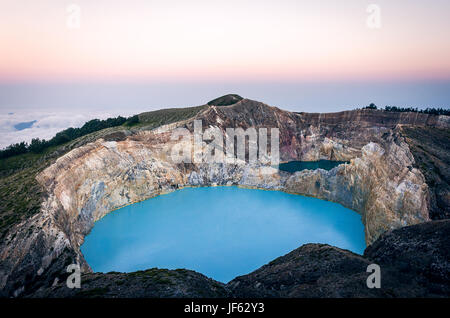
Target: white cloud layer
{"points": [[46, 125]]}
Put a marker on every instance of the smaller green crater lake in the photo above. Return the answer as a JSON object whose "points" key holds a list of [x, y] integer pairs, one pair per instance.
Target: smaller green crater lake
{"points": [[293, 166], [221, 232]]}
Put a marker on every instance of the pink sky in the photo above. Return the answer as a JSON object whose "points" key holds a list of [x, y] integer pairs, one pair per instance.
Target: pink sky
{"points": [[198, 40]]}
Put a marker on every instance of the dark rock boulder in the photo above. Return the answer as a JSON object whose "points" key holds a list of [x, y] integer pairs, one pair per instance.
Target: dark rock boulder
{"points": [[151, 283], [417, 256], [414, 262], [313, 270]]}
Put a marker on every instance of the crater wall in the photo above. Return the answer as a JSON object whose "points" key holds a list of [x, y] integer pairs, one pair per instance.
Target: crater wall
{"points": [[380, 182]]}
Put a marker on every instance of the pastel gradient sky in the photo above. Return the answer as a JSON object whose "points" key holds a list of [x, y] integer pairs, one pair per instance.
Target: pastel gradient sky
{"points": [[130, 56], [199, 40]]}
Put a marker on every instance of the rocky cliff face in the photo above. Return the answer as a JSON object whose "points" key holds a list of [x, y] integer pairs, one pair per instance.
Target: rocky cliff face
{"points": [[382, 185], [429, 147], [380, 182]]}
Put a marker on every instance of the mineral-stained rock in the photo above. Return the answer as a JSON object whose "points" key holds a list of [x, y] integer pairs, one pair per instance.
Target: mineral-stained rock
{"points": [[381, 185], [382, 182]]}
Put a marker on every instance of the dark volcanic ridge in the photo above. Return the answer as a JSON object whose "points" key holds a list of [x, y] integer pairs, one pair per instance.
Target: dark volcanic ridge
{"points": [[414, 262]]}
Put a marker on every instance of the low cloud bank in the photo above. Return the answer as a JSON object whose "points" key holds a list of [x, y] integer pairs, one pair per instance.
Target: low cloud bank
{"points": [[46, 125]]}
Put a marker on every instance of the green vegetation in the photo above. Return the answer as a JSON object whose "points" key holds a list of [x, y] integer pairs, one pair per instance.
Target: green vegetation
{"points": [[37, 145], [432, 111], [156, 275], [225, 100], [371, 106], [161, 117], [20, 193], [133, 120]]}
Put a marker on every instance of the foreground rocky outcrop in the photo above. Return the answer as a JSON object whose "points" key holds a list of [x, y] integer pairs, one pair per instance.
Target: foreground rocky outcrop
{"points": [[414, 262], [151, 283], [382, 180]]}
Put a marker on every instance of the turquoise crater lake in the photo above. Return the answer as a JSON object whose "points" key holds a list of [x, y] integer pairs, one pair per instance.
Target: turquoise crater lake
{"points": [[294, 166], [221, 232]]}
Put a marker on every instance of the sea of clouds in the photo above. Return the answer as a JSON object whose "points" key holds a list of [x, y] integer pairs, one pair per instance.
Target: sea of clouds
{"points": [[46, 125]]}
